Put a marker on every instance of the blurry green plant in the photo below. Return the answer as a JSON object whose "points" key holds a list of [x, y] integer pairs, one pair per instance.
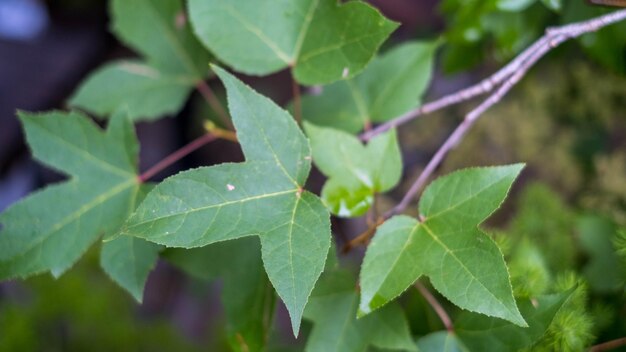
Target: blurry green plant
{"points": [[550, 277]]}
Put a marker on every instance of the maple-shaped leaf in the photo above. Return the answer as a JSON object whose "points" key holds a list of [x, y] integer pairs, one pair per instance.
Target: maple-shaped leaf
{"points": [[163, 35], [50, 229], [263, 196], [356, 172], [388, 87], [143, 91], [174, 61], [321, 40], [481, 333], [463, 263], [247, 295], [332, 310], [129, 260]]}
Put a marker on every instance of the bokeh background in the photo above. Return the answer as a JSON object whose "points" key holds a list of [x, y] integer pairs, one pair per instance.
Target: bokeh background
{"points": [[566, 120]]}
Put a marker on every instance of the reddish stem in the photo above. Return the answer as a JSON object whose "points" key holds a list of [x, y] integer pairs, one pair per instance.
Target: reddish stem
{"points": [[175, 156], [609, 345], [297, 104], [209, 96], [445, 318]]}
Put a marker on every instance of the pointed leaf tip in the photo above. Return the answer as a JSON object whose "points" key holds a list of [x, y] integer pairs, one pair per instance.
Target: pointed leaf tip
{"points": [[453, 205]]}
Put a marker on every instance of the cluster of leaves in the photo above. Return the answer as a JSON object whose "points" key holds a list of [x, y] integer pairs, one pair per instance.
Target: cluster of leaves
{"points": [[505, 27], [252, 224]]}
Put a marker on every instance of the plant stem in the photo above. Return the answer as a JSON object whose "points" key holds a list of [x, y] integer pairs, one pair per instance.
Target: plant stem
{"points": [[297, 103], [609, 345], [553, 38], [177, 155], [363, 237], [443, 316], [487, 85], [216, 105]]}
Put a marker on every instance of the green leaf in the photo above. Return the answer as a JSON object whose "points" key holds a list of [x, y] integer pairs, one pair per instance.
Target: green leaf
{"points": [[262, 196], [321, 40], [142, 90], [128, 261], [50, 229], [603, 271], [390, 86], [480, 333], [247, 296], [463, 263], [356, 171], [332, 310], [514, 5], [441, 341], [159, 31]]}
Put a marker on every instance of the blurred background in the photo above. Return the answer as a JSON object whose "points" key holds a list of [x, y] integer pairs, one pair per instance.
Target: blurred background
{"points": [[567, 120]]}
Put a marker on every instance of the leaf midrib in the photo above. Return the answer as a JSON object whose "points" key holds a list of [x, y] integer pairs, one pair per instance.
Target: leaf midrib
{"points": [[218, 205], [460, 262], [468, 199], [98, 200], [179, 50], [397, 258], [100, 163], [308, 18], [258, 33]]}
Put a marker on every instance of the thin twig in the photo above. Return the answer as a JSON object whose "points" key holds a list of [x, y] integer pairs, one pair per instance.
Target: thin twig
{"points": [[216, 105], [555, 37], [363, 237], [211, 128], [177, 155], [443, 315], [457, 135], [609, 345], [297, 103], [487, 85]]}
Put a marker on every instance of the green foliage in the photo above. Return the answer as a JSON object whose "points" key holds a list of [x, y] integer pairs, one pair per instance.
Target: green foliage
{"points": [[129, 261], [163, 37], [262, 196], [463, 263], [603, 271], [480, 333], [142, 90], [390, 86], [333, 310], [83, 311], [174, 62], [356, 172], [253, 227], [51, 229], [503, 28], [246, 292], [572, 327], [320, 40], [441, 341]]}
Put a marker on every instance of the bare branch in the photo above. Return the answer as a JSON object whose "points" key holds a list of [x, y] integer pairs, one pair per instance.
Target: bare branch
{"points": [[437, 307], [488, 84], [553, 38]]}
